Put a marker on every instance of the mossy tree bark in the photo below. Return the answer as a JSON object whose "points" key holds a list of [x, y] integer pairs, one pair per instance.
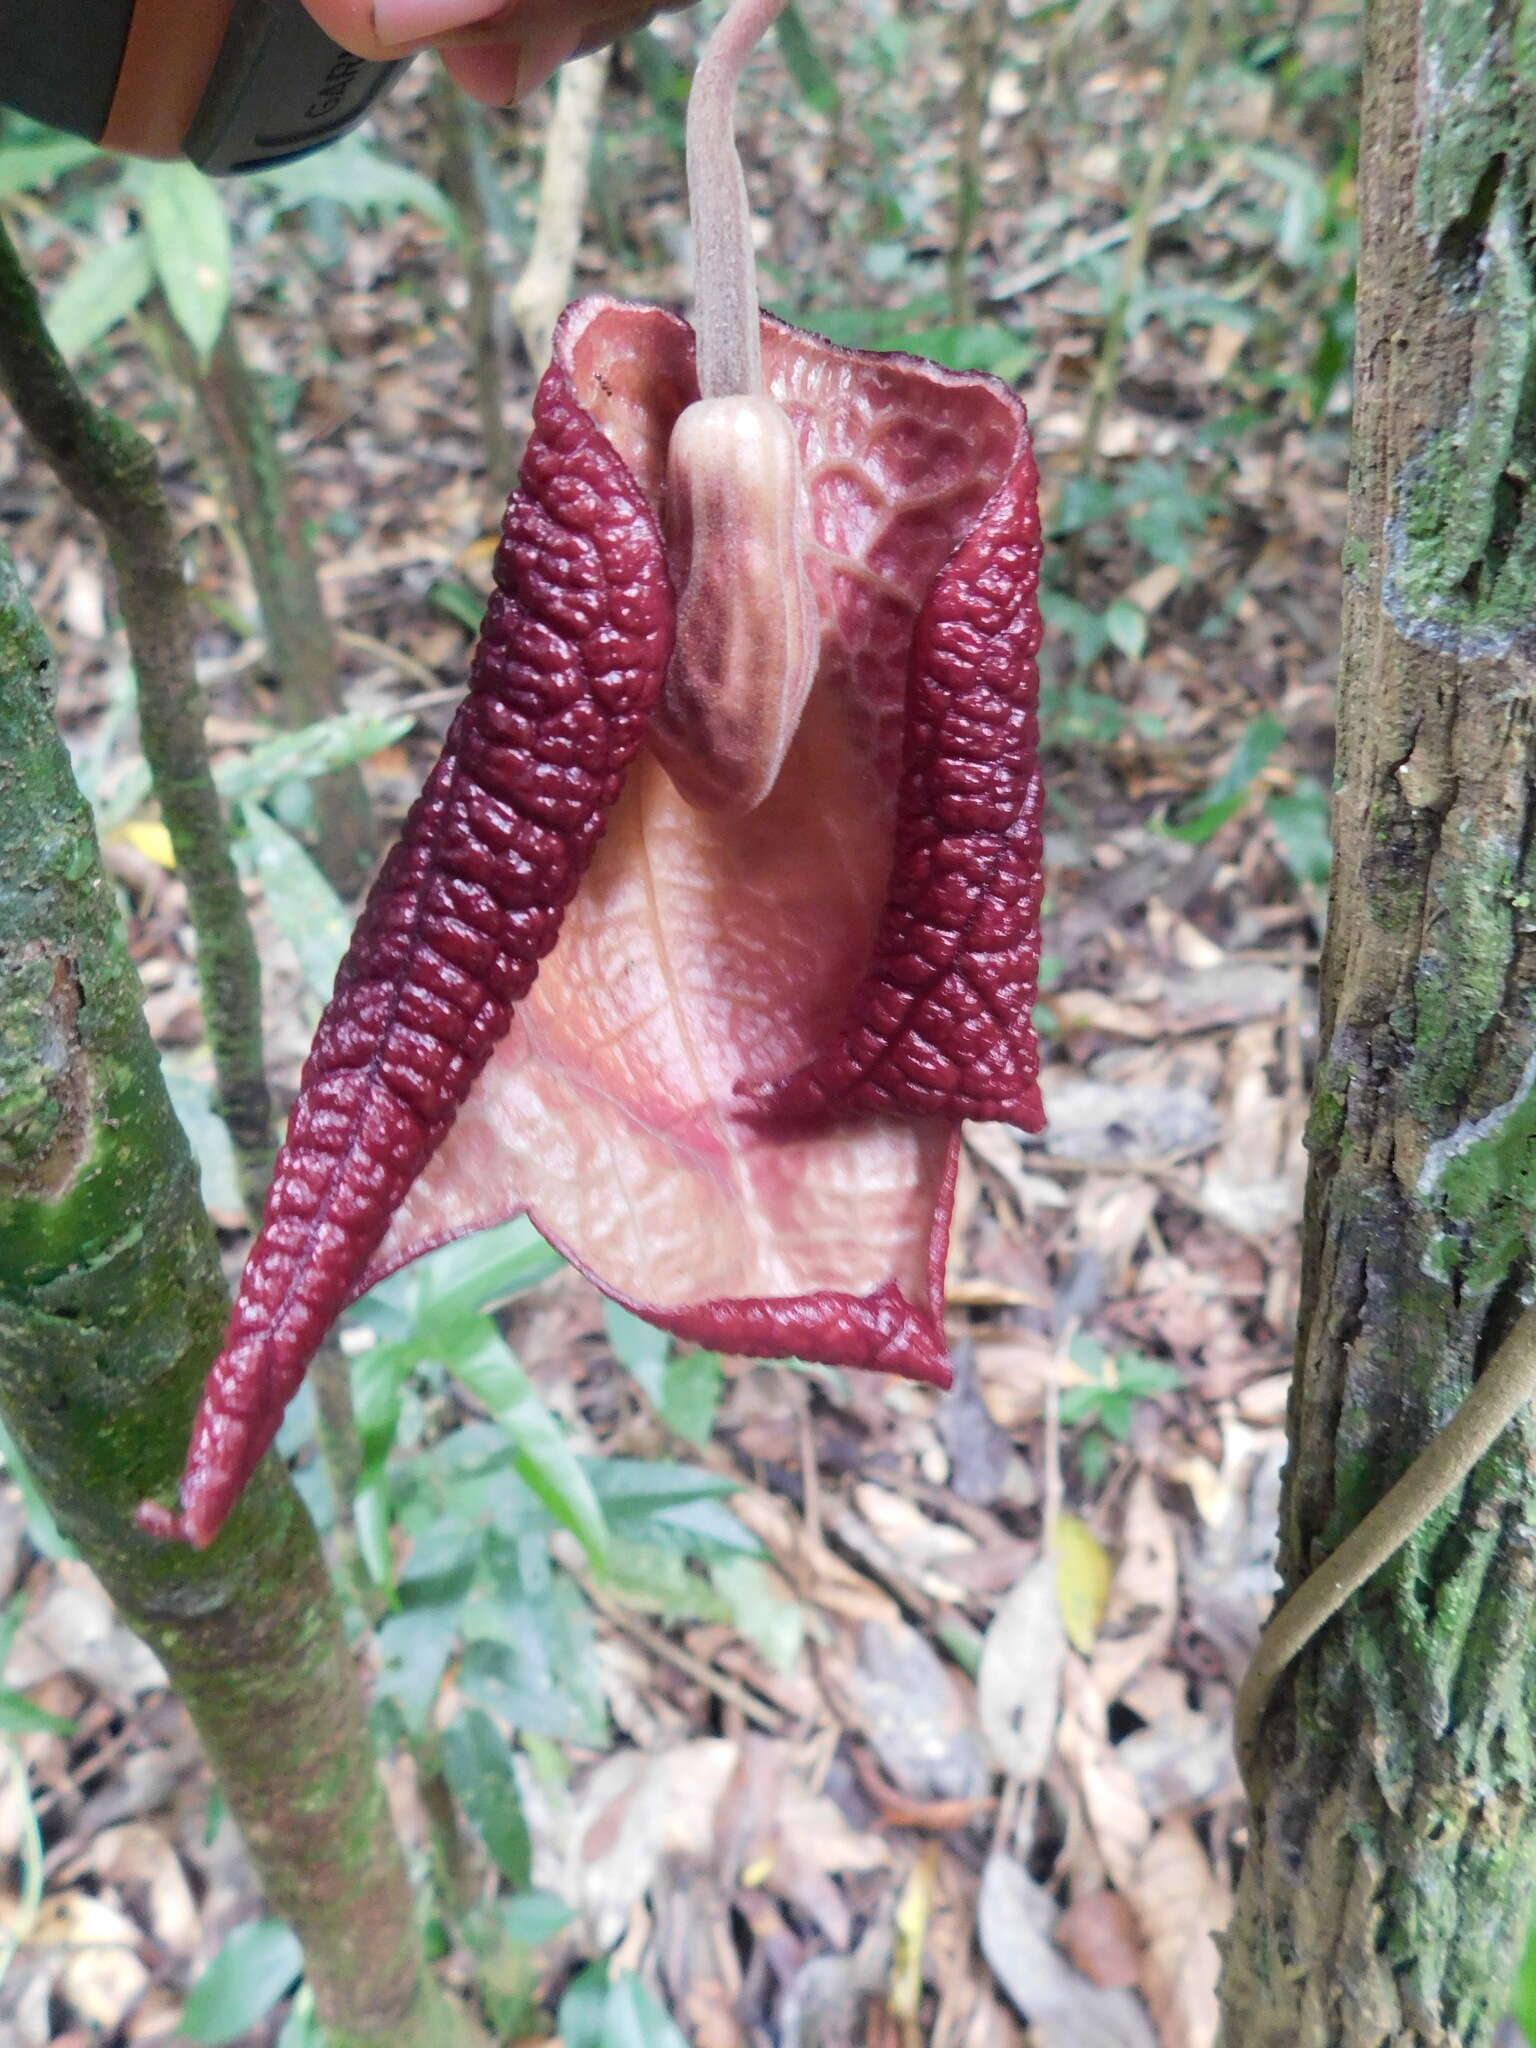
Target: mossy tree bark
{"points": [[1390, 1871], [111, 1305]]}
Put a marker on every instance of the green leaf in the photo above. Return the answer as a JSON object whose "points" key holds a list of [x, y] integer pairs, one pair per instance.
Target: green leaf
{"points": [[189, 241], [538, 1670], [805, 64], [683, 1390], [633, 2019], [541, 1454], [1126, 625], [532, 1918], [1522, 1999], [1300, 822], [361, 178], [459, 601], [1227, 794], [584, 2008], [103, 288], [478, 1765], [761, 1608], [303, 905], [188, 1082], [256, 1967], [480, 1270], [415, 1643], [690, 1393], [43, 1530], [302, 2028], [34, 166], [638, 1345], [318, 749], [19, 1716]]}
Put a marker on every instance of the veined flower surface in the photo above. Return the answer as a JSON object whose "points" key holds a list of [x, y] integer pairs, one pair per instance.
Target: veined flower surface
{"points": [[731, 1092]]}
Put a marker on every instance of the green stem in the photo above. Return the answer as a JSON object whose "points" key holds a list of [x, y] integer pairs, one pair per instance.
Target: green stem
{"points": [[111, 1305], [111, 471]]}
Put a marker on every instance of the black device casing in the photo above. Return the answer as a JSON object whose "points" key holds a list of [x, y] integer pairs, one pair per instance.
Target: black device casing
{"points": [[279, 88]]}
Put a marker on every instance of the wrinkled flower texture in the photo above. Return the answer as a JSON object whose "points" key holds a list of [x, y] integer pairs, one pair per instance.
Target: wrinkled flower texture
{"points": [[750, 732]]}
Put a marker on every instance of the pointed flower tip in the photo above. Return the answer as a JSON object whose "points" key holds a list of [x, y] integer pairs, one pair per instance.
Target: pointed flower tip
{"points": [[160, 1522]]}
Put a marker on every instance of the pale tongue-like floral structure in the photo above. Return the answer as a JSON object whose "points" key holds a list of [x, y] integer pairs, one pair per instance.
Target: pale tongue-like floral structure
{"points": [[786, 969]]}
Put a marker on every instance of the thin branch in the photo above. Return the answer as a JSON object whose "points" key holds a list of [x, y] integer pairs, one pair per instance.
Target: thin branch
{"points": [[461, 123], [111, 471], [980, 27], [1133, 262], [545, 284]]}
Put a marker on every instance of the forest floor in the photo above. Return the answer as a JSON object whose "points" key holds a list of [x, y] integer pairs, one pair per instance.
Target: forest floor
{"points": [[786, 1824]]}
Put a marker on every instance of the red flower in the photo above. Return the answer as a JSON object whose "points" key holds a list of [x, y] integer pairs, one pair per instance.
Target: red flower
{"points": [[731, 1096]]}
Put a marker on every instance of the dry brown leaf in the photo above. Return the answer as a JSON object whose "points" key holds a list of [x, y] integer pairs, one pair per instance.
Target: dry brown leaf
{"points": [[918, 1721], [1014, 1924], [1111, 1799], [1018, 1683], [1089, 1009], [1139, 1620], [1101, 1936], [603, 1850], [139, 1860], [101, 1975], [73, 1628], [1182, 1906], [1115, 1121]]}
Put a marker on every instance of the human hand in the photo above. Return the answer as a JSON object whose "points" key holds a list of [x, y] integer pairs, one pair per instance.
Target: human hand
{"points": [[498, 50]]}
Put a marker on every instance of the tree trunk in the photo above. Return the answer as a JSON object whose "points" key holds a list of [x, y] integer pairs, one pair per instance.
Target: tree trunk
{"points": [[1389, 1875], [111, 1305]]}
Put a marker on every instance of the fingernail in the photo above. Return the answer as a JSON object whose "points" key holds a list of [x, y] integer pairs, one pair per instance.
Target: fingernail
{"points": [[542, 57], [398, 22]]}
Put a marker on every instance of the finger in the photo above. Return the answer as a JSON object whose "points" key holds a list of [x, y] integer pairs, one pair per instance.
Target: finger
{"points": [[387, 28], [498, 73]]}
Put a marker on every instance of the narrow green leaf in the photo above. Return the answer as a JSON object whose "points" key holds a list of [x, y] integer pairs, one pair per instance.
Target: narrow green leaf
{"points": [[1126, 625], [18, 1716], [633, 2018], [1299, 820], [103, 288], [189, 241], [34, 166], [478, 1764], [541, 1454], [256, 1966], [319, 749], [363, 180], [805, 64], [304, 906]]}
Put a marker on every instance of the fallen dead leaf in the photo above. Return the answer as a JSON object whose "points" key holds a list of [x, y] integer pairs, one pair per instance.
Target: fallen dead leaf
{"points": [[1014, 1924], [1018, 1683], [1182, 1906], [1101, 1936], [1141, 1612], [914, 1714], [101, 1976]]}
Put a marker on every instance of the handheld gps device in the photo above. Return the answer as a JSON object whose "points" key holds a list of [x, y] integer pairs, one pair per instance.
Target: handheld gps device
{"points": [[233, 84]]}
